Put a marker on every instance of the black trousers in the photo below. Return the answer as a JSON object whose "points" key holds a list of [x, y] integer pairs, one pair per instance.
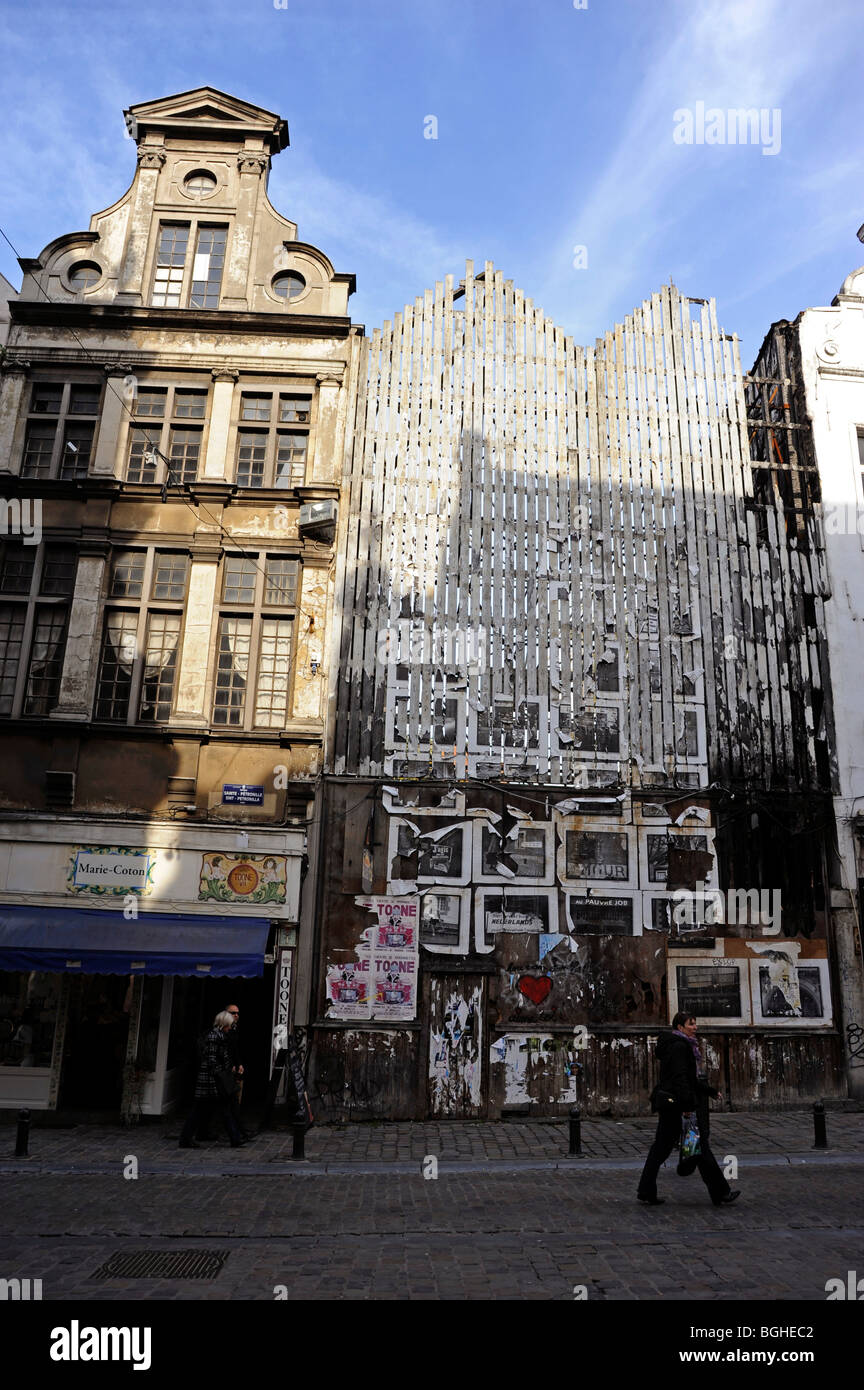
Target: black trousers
{"points": [[199, 1118], [667, 1138], [203, 1131]]}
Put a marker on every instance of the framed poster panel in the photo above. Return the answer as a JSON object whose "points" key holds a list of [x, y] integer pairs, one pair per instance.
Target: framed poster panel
{"points": [[600, 912], [714, 988], [529, 851], [597, 733], [445, 920], [514, 910], [443, 855], [657, 909], [508, 730], [410, 801], [447, 727], [654, 847], [601, 853], [796, 997]]}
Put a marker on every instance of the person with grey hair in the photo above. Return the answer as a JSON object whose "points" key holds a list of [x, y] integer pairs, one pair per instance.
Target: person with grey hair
{"points": [[214, 1085]]}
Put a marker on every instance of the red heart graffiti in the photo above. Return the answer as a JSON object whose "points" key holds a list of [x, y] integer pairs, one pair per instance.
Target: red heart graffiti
{"points": [[535, 988]]}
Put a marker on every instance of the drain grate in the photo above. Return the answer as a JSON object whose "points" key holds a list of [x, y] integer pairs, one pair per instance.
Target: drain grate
{"points": [[163, 1264]]}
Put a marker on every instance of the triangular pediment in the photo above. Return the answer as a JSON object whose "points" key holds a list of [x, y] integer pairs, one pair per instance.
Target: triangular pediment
{"points": [[207, 109], [211, 113]]}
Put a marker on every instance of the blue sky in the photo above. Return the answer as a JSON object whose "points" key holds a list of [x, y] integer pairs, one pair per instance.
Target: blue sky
{"points": [[555, 130]]}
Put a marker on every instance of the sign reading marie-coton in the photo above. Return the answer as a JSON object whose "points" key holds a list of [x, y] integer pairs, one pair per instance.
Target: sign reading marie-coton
{"points": [[110, 869]]}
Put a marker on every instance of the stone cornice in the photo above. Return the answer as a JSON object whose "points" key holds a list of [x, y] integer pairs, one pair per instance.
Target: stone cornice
{"points": [[109, 317], [23, 360]]}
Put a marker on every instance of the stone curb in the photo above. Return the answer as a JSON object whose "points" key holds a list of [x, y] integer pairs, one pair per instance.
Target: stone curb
{"points": [[310, 1168]]}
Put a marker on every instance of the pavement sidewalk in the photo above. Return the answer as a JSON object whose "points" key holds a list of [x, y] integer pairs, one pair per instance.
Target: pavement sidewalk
{"points": [[755, 1138]]}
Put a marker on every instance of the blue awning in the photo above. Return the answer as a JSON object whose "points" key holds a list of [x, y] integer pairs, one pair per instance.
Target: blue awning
{"points": [[88, 941]]}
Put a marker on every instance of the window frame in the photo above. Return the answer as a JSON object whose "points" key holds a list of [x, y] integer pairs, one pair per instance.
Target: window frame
{"points": [[62, 419], [32, 602], [716, 960], [272, 430], [145, 606], [194, 226], [166, 426], [256, 611]]}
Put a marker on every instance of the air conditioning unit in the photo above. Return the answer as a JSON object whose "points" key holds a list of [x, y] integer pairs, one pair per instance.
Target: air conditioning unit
{"points": [[318, 514]]}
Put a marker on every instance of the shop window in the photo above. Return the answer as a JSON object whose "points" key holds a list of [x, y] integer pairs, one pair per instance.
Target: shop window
{"points": [[29, 1003]]}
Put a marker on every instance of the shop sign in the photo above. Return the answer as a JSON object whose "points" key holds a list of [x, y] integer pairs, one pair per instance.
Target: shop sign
{"points": [[282, 1009], [242, 878], [106, 870]]}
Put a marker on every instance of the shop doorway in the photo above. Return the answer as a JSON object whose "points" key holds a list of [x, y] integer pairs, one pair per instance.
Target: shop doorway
{"points": [[254, 999], [195, 1003], [97, 1030]]}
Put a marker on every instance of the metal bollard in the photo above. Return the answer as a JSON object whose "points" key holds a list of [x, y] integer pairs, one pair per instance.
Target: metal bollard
{"points": [[299, 1134], [576, 1132], [820, 1136], [22, 1134]]}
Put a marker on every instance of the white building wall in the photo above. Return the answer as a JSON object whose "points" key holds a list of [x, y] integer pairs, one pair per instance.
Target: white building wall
{"points": [[832, 352]]}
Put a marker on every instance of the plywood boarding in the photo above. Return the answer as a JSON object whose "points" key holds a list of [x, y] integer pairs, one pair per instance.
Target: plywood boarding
{"points": [[525, 513]]}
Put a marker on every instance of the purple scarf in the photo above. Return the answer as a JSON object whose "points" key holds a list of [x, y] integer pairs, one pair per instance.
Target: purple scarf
{"points": [[697, 1053]]}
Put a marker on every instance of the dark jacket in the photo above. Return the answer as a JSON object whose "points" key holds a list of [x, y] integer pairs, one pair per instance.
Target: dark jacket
{"points": [[213, 1056], [678, 1073], [232, 1040]]}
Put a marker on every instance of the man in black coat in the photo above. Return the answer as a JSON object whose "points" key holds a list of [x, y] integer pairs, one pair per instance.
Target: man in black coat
{"points": [[682, 1089]]}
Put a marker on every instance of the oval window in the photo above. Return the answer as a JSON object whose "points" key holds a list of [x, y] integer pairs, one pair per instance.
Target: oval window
{"points": [[200, 184], [288, 285], [84, 275]]}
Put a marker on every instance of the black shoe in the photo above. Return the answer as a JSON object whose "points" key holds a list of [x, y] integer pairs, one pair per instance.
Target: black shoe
{"points": [[248, 1134], [189, 1144], [650, 1201], [238, 1143], [728, 1199]]}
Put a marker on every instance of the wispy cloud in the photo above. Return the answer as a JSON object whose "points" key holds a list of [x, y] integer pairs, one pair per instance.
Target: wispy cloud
{"points": [[351, 222], [740, 54]]}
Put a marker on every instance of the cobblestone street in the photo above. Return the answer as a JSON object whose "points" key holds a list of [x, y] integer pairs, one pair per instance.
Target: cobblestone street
{"points": [[509, 1216]]}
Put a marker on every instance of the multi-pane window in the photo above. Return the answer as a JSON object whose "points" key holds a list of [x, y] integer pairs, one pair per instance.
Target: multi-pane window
{"points": [[46, 659], [207, 267], [273, 439], [60, 429], [180, 279], [162, 430], [254, 641], [36, 584], [170, 264], [141, 636]]}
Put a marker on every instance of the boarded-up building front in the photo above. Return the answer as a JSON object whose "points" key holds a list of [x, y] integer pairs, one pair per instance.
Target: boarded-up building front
{"points": [[580, 746]]}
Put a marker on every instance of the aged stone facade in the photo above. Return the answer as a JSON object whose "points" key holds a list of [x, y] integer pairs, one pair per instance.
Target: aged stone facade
{"points": [[174, 402]]}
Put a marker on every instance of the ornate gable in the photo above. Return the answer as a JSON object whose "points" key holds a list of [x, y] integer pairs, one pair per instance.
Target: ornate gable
{"points": [[206, 113]]}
